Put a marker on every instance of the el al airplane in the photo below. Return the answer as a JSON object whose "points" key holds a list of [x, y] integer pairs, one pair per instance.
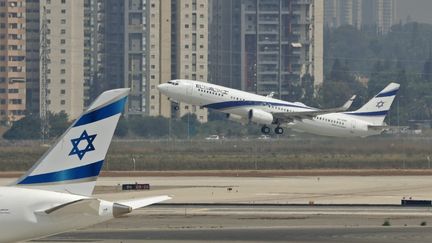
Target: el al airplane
{"points": [[246, 107], [54, 196]]}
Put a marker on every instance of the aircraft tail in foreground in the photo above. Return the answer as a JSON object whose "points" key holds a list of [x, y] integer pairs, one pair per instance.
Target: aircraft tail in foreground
{"points": [[74, 162]]}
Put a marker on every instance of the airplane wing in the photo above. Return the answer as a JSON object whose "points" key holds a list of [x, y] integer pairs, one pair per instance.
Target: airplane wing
{"points": [[91, 206], [300, 115], [143, 202]]}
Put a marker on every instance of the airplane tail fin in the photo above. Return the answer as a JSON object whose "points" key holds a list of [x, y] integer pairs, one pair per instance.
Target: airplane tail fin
{"points": [[74, 162], [376, 109]]}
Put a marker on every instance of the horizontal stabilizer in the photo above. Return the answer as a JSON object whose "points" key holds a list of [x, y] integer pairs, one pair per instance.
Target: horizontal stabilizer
{"points": [[81, 206], [377, 127], [142, 202]]}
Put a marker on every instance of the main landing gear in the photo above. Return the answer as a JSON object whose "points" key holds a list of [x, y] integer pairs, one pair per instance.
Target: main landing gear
{"points": [[266, 130], [279, 130]]}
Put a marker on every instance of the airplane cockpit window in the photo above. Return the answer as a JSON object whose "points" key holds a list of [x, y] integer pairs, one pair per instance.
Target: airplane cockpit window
{"points": [[173, 82]]}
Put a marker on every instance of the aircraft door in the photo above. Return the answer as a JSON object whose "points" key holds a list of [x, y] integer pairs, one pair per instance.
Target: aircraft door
{"points": [[353, 126], [189, 90]]}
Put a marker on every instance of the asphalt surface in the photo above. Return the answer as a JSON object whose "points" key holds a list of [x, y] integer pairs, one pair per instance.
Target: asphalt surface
{"points": [[175, 223]]}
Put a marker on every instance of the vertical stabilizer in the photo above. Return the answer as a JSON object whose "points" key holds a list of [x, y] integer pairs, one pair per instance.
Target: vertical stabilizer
{"points": [[73, 163], [376, 109]]}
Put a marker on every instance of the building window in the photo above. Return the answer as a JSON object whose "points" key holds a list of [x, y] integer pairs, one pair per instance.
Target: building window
{"points": [[62, 81], [62, 91], [62, 102]]}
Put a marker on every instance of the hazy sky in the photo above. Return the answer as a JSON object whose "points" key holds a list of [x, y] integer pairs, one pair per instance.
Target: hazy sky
{"points": [[418, 10]]}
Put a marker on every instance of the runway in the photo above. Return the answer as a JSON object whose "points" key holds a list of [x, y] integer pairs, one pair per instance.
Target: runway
{"points": [[175, 223], [248, 222]]}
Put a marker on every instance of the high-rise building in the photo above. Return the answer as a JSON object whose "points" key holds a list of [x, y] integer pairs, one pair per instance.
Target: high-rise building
{"points": [[379, 15], [159, 55], [224, 43], [142, 43], [12, 60], [104, 46], [346, 12], [135, 52], [32, 56], [65, 66], [279, 45], [176, 47], [192, 47]]}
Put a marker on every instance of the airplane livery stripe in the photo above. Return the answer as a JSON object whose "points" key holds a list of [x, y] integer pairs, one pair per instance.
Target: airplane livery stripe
{"points": [[232, 104], [85, 171], [102, 113], [387, 94], [373, 113]]}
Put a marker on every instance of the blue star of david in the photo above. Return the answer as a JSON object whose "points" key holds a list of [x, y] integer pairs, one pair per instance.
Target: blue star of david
{"points": [[380, 104], [88, 148]]}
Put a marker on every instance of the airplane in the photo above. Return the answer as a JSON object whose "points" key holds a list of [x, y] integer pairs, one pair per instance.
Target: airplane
{"points": [[266, 111], [55, 195]]}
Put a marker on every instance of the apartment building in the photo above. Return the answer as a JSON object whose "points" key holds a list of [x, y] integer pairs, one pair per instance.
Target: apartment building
{"points": [[65, 66], [281, 45], [12, 60]]}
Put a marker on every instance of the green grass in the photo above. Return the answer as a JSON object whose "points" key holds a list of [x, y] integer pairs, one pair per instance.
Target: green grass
{"points": [[372, 153]]}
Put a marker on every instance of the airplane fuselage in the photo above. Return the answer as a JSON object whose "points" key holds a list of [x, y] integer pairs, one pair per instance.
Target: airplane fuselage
{"points": [[19, 209], [239, 103]]}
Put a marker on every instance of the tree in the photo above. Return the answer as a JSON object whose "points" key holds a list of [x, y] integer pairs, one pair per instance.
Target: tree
{"points": [[58, 123], [25, 128], [427, 68]]}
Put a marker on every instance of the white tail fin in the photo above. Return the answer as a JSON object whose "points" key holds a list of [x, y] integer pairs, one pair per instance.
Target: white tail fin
{"points": [[377, 108], [74, 162]]}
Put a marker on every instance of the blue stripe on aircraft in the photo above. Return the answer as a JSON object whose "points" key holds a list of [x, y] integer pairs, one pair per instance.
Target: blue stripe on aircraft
{"points": [[372, 113], [238, 103], [102, 113], [388, 93], [85, 171]]}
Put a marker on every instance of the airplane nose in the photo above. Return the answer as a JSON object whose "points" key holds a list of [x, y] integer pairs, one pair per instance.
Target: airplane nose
{"points": [[162, 87]]}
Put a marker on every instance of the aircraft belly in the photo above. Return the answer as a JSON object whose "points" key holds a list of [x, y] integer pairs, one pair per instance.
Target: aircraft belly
{"points": [[314, 127]]}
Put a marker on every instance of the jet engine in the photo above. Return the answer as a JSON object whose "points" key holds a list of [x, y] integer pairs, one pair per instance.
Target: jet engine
{"points": [[236, 118], [260, 117]]}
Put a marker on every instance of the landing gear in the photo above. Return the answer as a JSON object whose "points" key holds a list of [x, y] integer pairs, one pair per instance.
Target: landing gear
{"points": [[265, 129], [279, 130]]}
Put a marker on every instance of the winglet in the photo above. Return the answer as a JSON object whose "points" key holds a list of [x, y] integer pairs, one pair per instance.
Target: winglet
{"points": [[348, 104]]}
